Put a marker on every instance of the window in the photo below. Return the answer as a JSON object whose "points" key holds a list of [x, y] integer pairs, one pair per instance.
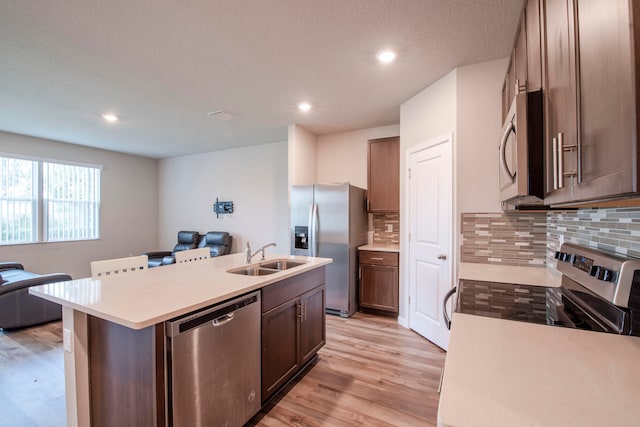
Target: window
{"points": [[44, 201]]}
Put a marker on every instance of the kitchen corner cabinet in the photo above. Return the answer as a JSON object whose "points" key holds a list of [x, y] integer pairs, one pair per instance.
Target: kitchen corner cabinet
{"points": [[590, 60], [383, 175], [293, 327], [378, 274]]}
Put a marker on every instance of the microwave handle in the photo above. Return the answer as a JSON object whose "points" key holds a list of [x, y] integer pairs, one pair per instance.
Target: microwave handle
{"points": [[503, 151]]}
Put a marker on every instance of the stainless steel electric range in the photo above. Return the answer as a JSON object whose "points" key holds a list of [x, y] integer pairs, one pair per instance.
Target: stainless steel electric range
{"points": [[600, 291]]}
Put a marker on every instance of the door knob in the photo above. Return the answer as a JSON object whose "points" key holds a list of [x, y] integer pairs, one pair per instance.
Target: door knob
{"points": [[442, 256]]}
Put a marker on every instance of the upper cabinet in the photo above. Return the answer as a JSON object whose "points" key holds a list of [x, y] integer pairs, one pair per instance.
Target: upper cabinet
{"points": [[524, 69], [589, 64], [384, 175]]}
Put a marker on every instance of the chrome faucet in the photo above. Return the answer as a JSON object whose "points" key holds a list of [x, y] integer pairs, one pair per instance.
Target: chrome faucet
{"points": [[248, 254]]}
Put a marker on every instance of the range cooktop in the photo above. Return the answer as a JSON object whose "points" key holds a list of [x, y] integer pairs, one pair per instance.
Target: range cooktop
{"points": [[599, 292]]}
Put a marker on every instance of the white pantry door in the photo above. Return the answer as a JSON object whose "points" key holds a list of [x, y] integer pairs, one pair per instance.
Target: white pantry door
{"points": [[430, 226]]}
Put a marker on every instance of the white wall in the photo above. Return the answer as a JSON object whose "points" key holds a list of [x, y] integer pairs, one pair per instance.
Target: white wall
{"points": [[128, 211], [254, 178], [429, 114], [466, 102], [479, 111], [302, 156], [342, 157]]}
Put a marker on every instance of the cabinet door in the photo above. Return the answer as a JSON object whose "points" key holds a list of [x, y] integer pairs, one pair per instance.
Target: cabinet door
{"points": [[379, 287], [534, 54], [607, 100], [520, 59], [280, 349], [384, 175], [560, 98], [312, 323]]}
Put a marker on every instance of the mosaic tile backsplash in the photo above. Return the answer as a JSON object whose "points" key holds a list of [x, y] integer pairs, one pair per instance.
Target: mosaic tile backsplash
{"points": [[615, 229], [381, 222], [509, 238], [523, 238]]}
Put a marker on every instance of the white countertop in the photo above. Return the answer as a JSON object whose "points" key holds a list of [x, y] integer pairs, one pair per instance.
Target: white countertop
{"points": [[507, 373], [144, 298], [523, 275], [381, 247]]}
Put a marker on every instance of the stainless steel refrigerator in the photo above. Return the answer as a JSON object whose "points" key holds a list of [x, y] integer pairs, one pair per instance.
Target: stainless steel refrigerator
{"points": [[330, 221]]}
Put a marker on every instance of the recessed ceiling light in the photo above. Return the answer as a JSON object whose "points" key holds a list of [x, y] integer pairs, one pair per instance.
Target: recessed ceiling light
{"points": [[386, 56], [110, 117], [304, 106]]}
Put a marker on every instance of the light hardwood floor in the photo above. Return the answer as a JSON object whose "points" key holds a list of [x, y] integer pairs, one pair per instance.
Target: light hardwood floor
{"points": [[371, 372]]}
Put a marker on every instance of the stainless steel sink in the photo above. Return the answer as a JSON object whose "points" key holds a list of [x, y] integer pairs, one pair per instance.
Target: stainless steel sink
{"points": [[281, 264], [253, 271]]}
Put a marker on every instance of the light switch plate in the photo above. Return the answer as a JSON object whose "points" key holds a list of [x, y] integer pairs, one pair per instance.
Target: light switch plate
{"points": [[67, 340], [389, 228]]}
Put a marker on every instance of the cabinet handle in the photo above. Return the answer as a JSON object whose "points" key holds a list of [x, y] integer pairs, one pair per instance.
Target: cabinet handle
{"points": [[554, 150], [442, 256], [299, 316], [560, 160], [377, 259], [360, 273], [305, 311], [579, 160]]}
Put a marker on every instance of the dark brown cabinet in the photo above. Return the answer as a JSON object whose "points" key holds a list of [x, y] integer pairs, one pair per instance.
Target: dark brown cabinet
{"points": [[590, 100], [524, 69], [559, 96], [379, 280], [293, 327], [384, 175]]}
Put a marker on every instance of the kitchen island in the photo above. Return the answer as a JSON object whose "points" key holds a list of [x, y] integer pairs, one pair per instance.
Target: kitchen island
{"points": [[114, 330]]}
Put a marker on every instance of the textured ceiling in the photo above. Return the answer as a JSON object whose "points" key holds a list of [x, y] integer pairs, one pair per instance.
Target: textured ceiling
{"points": [[162, 65]]}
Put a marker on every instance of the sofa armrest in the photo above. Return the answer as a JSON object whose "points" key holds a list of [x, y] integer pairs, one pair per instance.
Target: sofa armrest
{"points": [[10, 266], [34, 281], [157, 254]]}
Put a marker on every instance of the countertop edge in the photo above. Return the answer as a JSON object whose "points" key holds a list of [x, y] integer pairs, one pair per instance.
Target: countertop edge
{"points": [[259, 282], [380, 247]]}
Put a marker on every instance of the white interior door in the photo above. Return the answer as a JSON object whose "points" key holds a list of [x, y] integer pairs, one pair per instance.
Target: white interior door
{"points": [[430, 226]]}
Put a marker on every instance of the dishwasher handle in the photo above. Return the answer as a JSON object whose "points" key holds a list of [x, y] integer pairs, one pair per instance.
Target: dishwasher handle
{"points": [[217, 315], [448, 295], [223, 320]]}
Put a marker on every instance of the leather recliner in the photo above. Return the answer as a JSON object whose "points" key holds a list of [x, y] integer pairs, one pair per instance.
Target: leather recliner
{"points": [[18, 308], [218, 242], [186, 240]]}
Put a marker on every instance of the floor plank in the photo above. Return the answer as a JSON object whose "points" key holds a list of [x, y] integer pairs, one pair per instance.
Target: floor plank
{"points": [[371, 372], [32, 377]]}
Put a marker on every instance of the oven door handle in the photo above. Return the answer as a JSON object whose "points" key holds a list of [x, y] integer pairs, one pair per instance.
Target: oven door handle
{"points": [[448, 295]]}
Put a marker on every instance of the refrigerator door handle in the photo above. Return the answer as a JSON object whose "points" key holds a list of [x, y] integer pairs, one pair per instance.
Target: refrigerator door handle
{"points": [[314, 230]]}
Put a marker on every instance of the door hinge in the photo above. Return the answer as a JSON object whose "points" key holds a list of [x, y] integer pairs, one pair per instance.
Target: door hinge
{"points": [[409, 299], [409, 236], [409, 170]]}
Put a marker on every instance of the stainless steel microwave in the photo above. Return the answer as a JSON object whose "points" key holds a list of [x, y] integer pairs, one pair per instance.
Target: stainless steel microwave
{"points": [[521, 153]]}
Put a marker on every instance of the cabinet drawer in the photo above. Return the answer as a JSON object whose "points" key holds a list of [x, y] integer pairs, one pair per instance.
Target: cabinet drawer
{"points": [[379, 258], [287, 289]]}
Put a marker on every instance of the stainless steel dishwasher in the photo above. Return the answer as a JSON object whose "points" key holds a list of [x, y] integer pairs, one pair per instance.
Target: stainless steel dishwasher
{"points": [[213, 364]]}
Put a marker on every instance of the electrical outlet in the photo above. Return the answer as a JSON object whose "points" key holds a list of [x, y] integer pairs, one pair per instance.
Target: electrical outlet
{"points": [[67, 340], [389, 228]]}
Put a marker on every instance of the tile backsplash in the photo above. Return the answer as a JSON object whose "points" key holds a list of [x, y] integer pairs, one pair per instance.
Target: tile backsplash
{"points": [[532, 238], [381, 223], [504, 238], [615, 229]]}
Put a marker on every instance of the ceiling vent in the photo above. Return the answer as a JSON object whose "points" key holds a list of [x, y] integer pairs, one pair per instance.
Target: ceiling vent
{"points": [[223, 115]]}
